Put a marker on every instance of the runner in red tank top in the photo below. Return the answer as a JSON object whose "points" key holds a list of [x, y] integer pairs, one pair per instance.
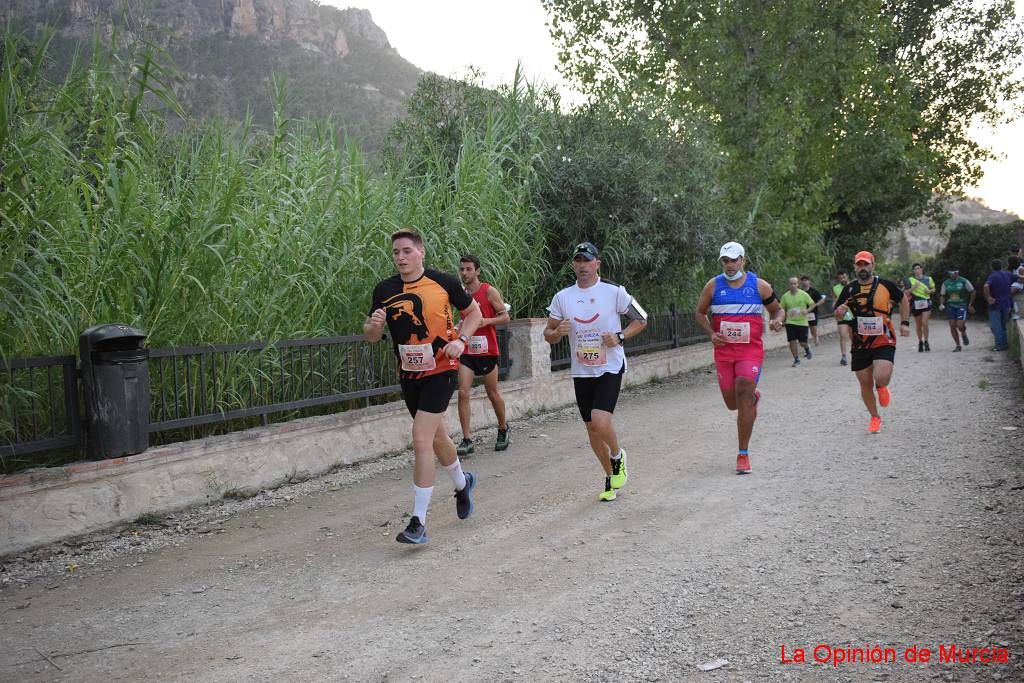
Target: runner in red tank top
{"points": [[482, 354]]}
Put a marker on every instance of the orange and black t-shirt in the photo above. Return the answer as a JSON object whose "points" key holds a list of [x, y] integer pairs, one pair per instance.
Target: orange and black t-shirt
{"points": [[419, 313], [872, 304]]}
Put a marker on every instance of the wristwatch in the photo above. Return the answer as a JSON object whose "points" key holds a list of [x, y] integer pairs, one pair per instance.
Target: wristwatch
{"points": [[622, 337], [463, 339]]}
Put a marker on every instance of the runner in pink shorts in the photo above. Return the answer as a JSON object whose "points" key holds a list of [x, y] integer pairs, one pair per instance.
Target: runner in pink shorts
{"points": [[736, 301]]}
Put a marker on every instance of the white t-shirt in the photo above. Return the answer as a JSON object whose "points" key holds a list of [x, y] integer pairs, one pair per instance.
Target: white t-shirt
{"points": [[592, 311]]}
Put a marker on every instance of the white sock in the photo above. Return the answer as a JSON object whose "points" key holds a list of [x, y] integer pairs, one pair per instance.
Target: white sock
{"points": [[455, 472], [421, 499]]}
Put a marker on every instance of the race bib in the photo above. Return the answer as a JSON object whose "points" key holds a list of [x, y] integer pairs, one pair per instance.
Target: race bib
{"points": [[870, 327], [811, 317], [477, 346], [589, 349], [794, 313], [734, 332], [921, 304], [417, 357]]}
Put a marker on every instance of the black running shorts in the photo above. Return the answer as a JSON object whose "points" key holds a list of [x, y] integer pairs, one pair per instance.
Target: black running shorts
{"points": [[915, 311], [796, 333], [431, 394], [480, 365], [863, 358], [597, 393]]}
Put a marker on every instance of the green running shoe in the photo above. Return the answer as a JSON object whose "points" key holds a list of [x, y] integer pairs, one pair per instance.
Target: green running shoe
{"points": [[619, 473], [465, 447], [504, 439], [609, 492]]}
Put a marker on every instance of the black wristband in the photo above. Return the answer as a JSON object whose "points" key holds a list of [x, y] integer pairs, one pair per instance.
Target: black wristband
{"points": [[462, 338], [905, 322]]}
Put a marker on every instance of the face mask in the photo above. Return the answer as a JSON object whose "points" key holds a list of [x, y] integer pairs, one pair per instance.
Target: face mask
{"points": [[736, 276]]}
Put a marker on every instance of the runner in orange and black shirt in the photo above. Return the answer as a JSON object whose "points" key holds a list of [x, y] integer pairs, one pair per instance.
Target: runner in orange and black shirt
{"points": [[871, 300], [416, 305]]}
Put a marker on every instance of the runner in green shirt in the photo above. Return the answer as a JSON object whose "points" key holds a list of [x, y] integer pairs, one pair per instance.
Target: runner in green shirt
{"points": [[957, 297], [796, 302]]}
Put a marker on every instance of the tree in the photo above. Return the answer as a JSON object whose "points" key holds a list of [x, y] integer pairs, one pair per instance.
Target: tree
{"points": [[835, 120]]}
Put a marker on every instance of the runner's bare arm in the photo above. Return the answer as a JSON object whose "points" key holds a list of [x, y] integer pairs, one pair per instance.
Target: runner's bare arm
{"points": [[556, 329], [498, 304], [373, 328], [974, 293], [767, 294], [701, 314], [470, 321]]}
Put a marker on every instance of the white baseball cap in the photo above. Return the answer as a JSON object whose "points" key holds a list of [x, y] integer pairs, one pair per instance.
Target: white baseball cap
{"points": [[731, 250]]}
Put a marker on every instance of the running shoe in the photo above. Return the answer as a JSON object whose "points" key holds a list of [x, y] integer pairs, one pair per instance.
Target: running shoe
{"points": [[464, 497], [926, 346], [742, 464], [503, 439], [843, 361], [884, 397], [796, 362], [415, 533], [957, 349], [875, 425], [619, 473], [920, 347], [967, 342], [807, 353], [465, 447], [609, 492]]}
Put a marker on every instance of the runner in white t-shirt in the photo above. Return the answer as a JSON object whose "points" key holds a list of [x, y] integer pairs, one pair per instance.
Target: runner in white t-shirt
{"points": [[589, 312]]}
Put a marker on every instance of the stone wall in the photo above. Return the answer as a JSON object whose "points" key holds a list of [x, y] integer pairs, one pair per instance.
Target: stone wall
{"points": [[46, 505]]}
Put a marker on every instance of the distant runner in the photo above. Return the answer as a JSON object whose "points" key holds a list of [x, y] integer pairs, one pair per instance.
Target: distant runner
{"points": [[844, 331], [589, 313], [796, 303], [814, 311], [921, 287], [871, 300], [736, 301], [956, 296], [416, 305]]}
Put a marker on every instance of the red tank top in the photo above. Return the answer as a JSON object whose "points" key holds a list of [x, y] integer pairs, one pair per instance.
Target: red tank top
{"points": [[484, 341]]}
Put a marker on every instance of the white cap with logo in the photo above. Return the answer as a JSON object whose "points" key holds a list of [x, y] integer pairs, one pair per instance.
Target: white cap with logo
{"points": [[731, 250]]}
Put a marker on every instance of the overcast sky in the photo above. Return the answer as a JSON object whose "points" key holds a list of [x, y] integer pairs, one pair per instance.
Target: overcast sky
{"points": [[449, 36]]}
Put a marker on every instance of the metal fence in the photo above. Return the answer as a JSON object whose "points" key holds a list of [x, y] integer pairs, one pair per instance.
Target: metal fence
{"points": [[193, 386], [39, 405], [664, 331]]}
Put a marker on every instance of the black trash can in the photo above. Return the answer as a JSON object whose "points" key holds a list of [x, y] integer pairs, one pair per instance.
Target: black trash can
{"points": [[115, 383]]}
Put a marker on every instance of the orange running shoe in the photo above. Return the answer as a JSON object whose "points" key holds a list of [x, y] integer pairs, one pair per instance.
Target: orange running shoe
{"points": [[742, 464], [884, 397], [875, 425]]}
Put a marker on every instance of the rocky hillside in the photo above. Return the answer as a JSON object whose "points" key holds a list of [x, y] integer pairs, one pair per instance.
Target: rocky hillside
{"points": [[336, 62], [921, 238]]}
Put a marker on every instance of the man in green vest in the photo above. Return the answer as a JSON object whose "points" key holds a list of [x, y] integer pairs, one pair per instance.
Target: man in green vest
{"points": [[920, 287]]}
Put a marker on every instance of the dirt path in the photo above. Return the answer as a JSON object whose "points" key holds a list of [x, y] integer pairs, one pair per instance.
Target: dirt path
{"points": [[911, 537]]}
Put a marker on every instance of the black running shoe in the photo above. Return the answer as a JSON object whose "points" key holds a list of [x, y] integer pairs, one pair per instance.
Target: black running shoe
{"points": [[926, 346], [920, 347], [465, 447], [464, 497], [415, 533], [963, 335]]}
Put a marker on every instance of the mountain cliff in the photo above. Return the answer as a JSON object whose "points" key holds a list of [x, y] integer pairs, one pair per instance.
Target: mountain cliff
{"points": [[336, 62]]}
